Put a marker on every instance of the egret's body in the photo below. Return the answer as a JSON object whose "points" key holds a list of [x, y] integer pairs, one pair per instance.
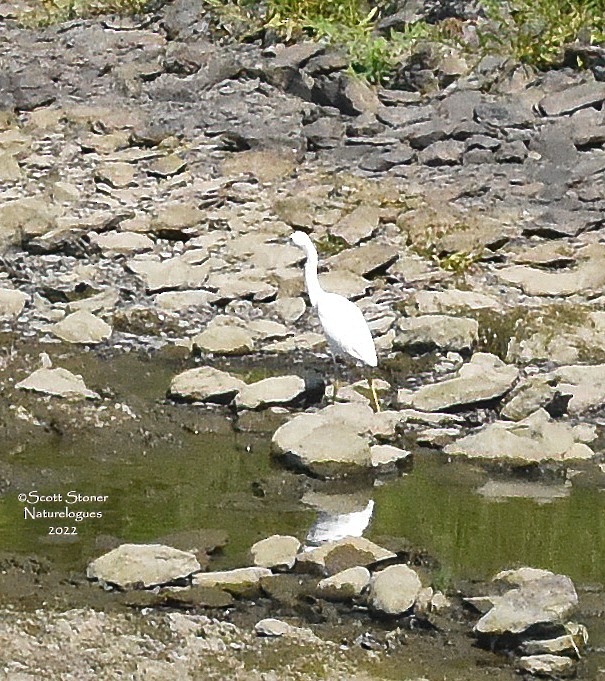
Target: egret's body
{"points": [[344, 326]]}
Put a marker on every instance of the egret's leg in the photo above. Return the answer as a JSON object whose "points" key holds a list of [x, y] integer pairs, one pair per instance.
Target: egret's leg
{"points": [[376, 405], [335, 385]]}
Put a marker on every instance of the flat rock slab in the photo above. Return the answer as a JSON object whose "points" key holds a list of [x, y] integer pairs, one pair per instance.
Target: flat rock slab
{"points": [[453, 300], [205, 384], [278, 628], [133, 565], [484, 378], [393, 591], [239, 582], [12, 303], [275, 552], [543, 600], [345, 585], [336, 556], [573, 99], [224, 339], [122, 242], [82, 327], [555, 666], [358, 225], [427, 332], [59, 382], [166, 275], [535, 438], [277, 390], [388, 456]]}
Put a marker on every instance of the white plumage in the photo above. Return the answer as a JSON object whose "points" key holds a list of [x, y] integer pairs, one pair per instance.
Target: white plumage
{"points": [[344, 326]]}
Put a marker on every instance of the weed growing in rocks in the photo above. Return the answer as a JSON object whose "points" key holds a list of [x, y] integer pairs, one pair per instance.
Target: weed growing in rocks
{"points": [[536, 31], [46, 12]]}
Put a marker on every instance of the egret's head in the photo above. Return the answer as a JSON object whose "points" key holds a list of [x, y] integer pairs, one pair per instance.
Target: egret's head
{"points": [[303, 241]]}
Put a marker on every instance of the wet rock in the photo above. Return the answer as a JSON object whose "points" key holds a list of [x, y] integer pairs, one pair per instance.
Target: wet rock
{"points": [[12, 303], [535, 438], [541, 598], [427, 332], [239, 582], [122, 242], [82, 327], [345, 585], [484, 378], [133, 565], [539, 492], [328, 443], [224, 339], [358, 225], [277, 552], [205, 384], [555, 666], [59, 382], [277, 390], [333, 557], [393, 591], [387, 457], [277, 628]]}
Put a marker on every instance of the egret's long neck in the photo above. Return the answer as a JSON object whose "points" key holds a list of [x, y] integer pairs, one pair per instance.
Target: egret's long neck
{"points": [[311, 279]]}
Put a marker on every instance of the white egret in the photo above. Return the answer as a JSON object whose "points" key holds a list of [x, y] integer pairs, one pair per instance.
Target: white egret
{"points": [[346, 331]]}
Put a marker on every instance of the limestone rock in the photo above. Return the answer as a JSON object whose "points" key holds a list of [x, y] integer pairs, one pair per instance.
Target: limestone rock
{"points": [[205, 384], [277, 390], [278, 628], [535, 438], [169, 274], [131, 565], [358, 225], [555, 666], [82, 327], [388, 456], [546, 599], [12, 303], [393, 591], [122, 242], [335, 556], [275, 552], [224, 339], [436, 331], [59, 382], [484, 378], [345, 585], [585, 384], [239, 582], [452, 301]]}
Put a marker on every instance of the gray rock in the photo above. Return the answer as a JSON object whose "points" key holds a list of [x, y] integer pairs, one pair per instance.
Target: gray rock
{"points": [[484, 378], [570, 643], [532, 394], [277, 628], [82, 327], [572, 99], [387, 456], [12, 303], [132, 565], [585, 384], [535, 438], [427, 332], [325, 133], [224, 339], [59, 382], [333, 557], [358, 225], [173, 273], [555, 666], [205, 384], [442, 153], [367, 259], [122, 242], [277, 390], [453, 300], [393, 591], [240, 582], [345, 585], [277, 552], [545, 599]]}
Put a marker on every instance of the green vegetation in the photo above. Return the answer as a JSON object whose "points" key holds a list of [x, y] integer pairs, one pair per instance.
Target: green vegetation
{"points": [[45, 12], [535, 31]]}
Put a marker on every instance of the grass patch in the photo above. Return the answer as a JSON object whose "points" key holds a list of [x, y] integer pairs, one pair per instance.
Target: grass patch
{"points": [[536, 31], [47, 12]]}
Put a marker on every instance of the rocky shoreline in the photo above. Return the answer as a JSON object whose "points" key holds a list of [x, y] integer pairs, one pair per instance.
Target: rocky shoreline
{"points": [[150, 175]]}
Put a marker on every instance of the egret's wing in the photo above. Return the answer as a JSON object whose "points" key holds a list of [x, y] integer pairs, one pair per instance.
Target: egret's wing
{"points": [[346, 329]]}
